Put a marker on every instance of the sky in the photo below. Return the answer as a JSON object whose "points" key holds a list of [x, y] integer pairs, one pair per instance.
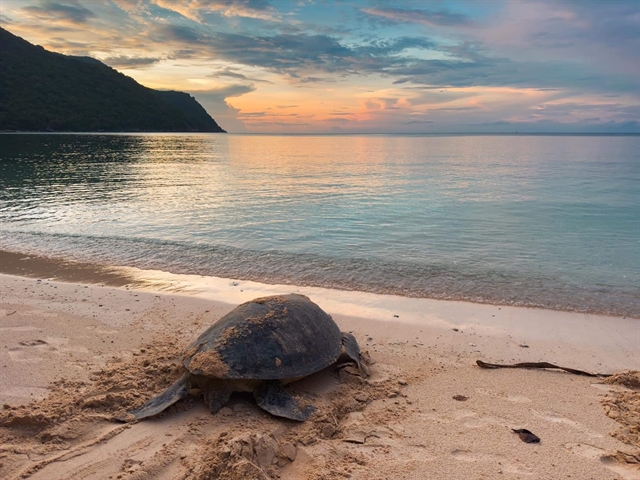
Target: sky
{"points": [[370, 66]]}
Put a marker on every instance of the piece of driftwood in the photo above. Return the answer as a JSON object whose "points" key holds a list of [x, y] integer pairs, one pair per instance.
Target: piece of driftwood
{"points": [[540, 365]]}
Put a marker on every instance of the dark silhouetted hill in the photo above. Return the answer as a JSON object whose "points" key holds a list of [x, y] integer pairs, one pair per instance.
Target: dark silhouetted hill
{"points": [[47, 91]]}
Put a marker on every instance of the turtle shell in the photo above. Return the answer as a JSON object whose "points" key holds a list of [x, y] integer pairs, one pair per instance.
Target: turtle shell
{"points": [[270, 338]]}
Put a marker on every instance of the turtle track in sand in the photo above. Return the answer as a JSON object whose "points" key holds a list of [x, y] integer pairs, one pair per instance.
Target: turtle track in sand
{"points": [[71, 432]]}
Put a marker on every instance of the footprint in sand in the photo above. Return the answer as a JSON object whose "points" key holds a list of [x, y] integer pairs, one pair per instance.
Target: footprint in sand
{"points": [[40, 313], [31, 351], [108, 450], [556, 418], [32, 343], [610, 388], [482, 422], [101, 330], [503, 396], [626, 471], [468, 418], [19, 354], [585, 450], [502, 463], [469, 456], [21, 328], [456, 416], [29, 393], [27, 351]]}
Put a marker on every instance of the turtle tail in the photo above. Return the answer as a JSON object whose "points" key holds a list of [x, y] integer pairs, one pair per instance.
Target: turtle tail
{"points": [[177, 391]]}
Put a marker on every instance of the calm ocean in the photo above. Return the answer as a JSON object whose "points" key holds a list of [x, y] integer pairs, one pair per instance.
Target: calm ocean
{"points": [[550, 221]]}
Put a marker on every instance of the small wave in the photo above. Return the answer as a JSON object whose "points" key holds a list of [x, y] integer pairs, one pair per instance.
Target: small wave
{"points": [[429, 280]]}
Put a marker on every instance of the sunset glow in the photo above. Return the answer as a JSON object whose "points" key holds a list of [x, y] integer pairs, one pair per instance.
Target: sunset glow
{"points": [[306, 66]]}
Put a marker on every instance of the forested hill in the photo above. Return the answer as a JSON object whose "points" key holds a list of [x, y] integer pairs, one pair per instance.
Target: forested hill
{"points": [[47, 91]]}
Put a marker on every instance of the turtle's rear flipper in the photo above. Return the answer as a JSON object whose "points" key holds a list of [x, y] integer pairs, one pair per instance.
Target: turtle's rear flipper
{"points": [[352, 350], [177, 391], [216, 395], [273, 398]]}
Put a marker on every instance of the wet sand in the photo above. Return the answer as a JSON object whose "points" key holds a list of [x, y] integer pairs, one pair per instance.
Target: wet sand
{"points": [[75, 355]]}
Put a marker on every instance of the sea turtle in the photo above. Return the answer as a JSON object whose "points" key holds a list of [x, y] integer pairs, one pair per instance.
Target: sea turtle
{"points": [[258, 347]]}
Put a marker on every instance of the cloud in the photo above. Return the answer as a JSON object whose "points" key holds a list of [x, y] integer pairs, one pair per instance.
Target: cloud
{"points": [[129, 6], [571, 111], [71, 12], [502, 71], [479, 62], [304, 58], [392, 47], [432, 96], [252, 114], [313, 79], [124, 62], [177, 33], [613, 23], [417, 122], [296, 55], [426, 17], [299, 55], [547, 126], [338, 120], [215, 102], [184, 54], [296, 124], [259, 9], [227, 91], [605, 35], [197, 10], [566, 44], [281, 53], [58, 44], [229, 73]]}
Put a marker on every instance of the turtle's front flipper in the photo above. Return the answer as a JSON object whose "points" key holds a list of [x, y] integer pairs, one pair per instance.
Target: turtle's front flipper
{"points": [[273, 398], [352, 350], [177, 391]]}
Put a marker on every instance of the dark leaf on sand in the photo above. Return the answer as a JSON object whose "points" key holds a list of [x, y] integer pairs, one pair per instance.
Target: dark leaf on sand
{"points": [[526, 436]]}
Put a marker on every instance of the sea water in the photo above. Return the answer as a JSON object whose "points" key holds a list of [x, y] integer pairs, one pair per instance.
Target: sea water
{"points": [[547, 221]]}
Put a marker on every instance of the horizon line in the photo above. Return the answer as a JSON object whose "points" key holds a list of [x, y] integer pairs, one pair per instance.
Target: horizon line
{"points": [[27, 132]]}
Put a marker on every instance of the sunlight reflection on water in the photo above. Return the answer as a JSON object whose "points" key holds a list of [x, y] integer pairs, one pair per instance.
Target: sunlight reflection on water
{"points": [[547, 221]]}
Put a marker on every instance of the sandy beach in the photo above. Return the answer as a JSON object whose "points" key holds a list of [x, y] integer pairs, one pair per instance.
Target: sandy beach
{"points": [[76, 354]]}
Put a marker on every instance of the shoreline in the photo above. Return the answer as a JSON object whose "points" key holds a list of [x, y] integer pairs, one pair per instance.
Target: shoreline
{"points": [[92, 339], [597, 342], [69, 270]]}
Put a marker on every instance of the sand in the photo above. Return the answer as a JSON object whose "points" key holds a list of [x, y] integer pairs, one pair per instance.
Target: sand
{"points": [[75, 356]]}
